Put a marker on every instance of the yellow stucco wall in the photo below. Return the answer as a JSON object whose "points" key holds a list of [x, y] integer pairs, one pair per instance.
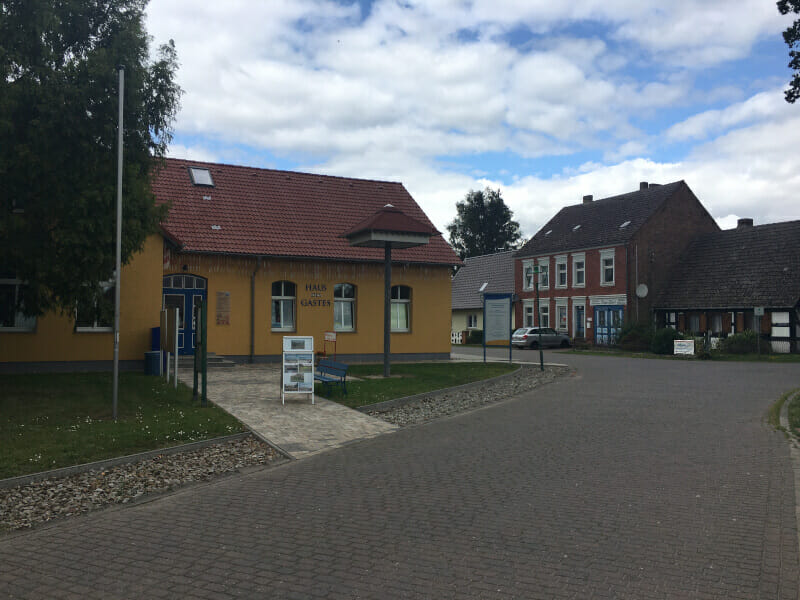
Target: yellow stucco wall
{"points": [[430, 303], [55, 338]]}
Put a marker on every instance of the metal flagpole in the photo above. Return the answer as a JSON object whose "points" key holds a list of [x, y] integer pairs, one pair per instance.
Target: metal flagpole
{"points": [[118, 268]]}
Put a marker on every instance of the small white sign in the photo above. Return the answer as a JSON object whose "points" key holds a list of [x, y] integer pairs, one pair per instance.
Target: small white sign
{"points": [[758, 311], [683, 347]]}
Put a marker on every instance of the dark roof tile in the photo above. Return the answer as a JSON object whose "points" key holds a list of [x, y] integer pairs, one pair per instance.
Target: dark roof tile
{"points": [[738, 268], [600, 221]]}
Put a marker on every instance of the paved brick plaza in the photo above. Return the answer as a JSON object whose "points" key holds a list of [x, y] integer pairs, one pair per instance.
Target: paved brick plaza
{"points": [[630, 479]]}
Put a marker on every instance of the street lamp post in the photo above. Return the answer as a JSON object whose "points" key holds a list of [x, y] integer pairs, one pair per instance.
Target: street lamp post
{"points": [[538, 314]]}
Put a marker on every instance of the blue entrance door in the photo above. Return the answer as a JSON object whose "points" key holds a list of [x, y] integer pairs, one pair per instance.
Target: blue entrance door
{"points": [[607, 324], [579, 322], [185, 292]]}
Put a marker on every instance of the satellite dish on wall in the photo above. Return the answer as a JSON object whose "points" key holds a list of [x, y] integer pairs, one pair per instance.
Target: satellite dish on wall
{"points": [[641, 290]]}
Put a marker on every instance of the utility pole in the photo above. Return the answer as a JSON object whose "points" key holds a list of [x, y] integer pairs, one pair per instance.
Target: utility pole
{"points": [[118, 265]]}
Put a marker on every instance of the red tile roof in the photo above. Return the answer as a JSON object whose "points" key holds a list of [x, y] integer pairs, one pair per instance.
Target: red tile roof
{"points": [[264, 212], [392, 220]]}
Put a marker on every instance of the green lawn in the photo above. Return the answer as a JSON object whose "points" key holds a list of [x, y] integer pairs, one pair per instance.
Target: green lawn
{"points": [[49, 421], [409, 379]]}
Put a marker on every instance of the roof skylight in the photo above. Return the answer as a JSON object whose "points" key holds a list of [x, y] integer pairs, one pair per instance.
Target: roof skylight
{"points": [[201, 176], [548, 232], [576, 227], [625, 224]]}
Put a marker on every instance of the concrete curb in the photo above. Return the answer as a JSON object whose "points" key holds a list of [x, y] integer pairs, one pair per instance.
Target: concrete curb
{"points": [[121, 460], [395, 402], [794, 454]]}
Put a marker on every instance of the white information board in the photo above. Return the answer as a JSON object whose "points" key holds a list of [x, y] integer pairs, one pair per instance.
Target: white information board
{"points": [[683, 347], [297, 373], [497, 319]]}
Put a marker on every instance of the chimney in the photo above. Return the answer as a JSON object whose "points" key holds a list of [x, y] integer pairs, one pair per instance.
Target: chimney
{"points": [[642, 185], [742, 223], [587, 199]]}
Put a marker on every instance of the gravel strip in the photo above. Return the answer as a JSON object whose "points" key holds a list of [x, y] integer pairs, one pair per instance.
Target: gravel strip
{"points": [[27, 505], [439, 405]]}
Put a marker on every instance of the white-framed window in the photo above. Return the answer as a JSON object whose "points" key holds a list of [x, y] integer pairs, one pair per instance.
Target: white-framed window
{"points": [[578, 270], [561, 271], [528, 309], [694, 324], [401, 308], [561, 317], [97, 315], [671, 320], [344, 307], [544, 273], [607, 267], [284, 295], [716, 323], [544, 314], [527, 275], [11, 318], [472, 321]]}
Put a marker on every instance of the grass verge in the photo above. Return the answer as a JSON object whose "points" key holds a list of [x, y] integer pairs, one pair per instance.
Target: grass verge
{"points": [[50, 421], [409, 379], [793, 410], [715, 356]]}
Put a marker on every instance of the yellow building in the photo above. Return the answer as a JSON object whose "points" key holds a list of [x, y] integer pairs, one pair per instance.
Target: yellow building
{"points": [[267, 250]]}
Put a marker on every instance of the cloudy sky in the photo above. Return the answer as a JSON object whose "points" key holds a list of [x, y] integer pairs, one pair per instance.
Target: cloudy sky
{"points": [[546, 100]]}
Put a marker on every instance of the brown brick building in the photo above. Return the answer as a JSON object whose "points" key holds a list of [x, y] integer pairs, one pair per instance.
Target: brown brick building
{"points": [[602, 262]]}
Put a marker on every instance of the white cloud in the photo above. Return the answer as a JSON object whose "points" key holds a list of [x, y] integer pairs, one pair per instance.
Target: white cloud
{"points": [[765, 105], [393, 97]]}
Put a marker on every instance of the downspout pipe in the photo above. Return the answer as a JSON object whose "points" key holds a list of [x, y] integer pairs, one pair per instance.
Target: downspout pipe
{"points": [[253, 310]]}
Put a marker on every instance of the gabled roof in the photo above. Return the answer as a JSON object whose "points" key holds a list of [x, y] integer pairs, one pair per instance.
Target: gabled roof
{"points": [[496, 269], [738, 268], [250, 211], [390, 219], [599, 223]]}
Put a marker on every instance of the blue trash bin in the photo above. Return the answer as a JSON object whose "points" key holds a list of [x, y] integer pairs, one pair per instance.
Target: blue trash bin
{"points": [[152, 363]]}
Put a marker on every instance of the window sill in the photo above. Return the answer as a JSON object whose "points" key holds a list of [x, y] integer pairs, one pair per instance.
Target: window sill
{"points": [[94, 330], [400, 331], [17, 330], [344, 331], [283, 329]]}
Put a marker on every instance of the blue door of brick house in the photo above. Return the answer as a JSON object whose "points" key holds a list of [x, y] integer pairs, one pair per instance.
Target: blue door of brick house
{"points": [[184, 292], [607, 324]]}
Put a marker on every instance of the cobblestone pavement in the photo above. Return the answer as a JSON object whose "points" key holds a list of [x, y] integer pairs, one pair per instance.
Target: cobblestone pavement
{"points": [[252, 394], [628, 479]]}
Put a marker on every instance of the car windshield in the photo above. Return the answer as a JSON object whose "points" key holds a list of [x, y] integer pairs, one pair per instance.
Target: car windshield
{"points": [[522, 331]]}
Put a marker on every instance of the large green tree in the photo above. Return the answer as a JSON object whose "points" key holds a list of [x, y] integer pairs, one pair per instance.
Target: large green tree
{"points": [[483, 225], [58, 142], [792, 38]]}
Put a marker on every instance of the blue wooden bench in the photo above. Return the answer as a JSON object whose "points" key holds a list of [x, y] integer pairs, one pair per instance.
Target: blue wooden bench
{"points": [[330, 372]]}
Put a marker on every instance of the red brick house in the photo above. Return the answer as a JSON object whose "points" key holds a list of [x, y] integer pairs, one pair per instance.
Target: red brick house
{"points": [[602, 262]]}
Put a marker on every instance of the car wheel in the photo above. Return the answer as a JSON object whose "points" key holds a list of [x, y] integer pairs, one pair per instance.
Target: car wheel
{"points": [[534, 346], [564, 344]]}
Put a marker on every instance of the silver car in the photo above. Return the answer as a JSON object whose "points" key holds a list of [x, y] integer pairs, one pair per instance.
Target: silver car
{"points": [[528, 337]]}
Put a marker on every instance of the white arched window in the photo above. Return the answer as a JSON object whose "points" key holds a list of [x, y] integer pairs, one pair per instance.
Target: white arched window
{"points": [[344, 307], [401, 308], [283, 303]]}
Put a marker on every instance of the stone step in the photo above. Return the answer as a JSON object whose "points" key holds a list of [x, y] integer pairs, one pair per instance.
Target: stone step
{"points": [[213, 362]]}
